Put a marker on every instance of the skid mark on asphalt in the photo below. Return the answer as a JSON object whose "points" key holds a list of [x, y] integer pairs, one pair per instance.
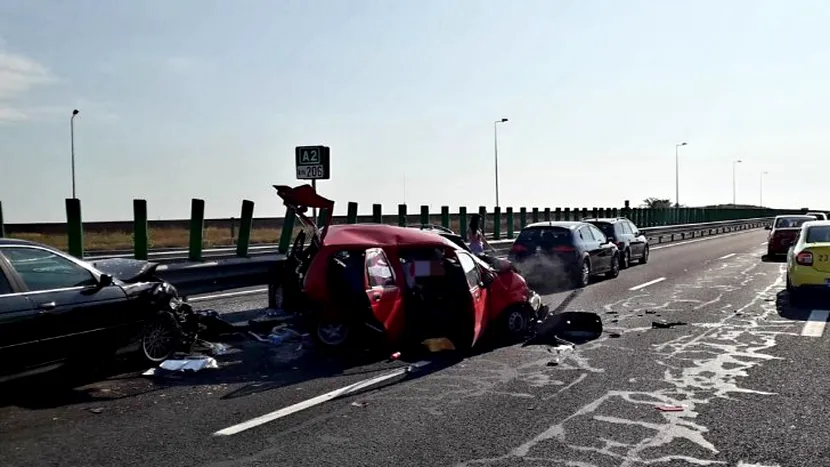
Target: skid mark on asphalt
{"points": [[699, 368]]}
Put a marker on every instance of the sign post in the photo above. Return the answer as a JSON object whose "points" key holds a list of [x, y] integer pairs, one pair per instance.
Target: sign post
{"points": [[313, 164]]}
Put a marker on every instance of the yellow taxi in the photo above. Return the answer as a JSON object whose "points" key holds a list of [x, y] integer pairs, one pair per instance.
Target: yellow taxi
{"points": [[808, 259]]}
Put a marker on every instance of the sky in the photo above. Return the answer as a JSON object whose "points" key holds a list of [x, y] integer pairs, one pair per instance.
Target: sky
{"points": [[183, 99]]}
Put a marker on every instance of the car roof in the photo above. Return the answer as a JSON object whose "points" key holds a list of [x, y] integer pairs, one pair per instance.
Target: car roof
{"points": [[818, 223], [794, 216], [369, 235], [17, 241], [564, 224]]}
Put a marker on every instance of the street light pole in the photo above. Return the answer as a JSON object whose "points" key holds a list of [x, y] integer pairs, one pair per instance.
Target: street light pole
{"points": [[761, 189], [72, 147], [677, 173], [496, 153], [734, 183]]}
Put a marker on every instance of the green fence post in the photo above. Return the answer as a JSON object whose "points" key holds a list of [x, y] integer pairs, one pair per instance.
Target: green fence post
{"points": [[522, 217], [626, 210], [594, 212], [322, 216], [351, 213], [566, 214], [2, 226], [246, 223], [445, 216], [496, 223], [535, 215], [141, 237], [462, 221], [197, 228], [584, 213], [424, 214], [614, 212], [482, 211], [74, 227], [402, 215], [377, 214], [287, 231], [547, 214], [557, 214], [510, 226]]}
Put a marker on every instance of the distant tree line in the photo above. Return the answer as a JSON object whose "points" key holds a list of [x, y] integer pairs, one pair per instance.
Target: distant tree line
{"points": [[663, 203]]}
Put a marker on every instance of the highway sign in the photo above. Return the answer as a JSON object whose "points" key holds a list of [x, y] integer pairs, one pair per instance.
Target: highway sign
{"points": [[312, 162]]}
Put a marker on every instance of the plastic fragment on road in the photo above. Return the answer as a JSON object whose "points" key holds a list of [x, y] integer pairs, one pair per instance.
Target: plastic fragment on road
{"points": [[662, 324], [358, 404], [193, 364], [438, 344], [96, 410], [670, 408]]}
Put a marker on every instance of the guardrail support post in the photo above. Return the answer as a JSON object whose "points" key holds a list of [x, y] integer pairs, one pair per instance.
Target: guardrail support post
{"points": [[445, 216], [496, 223], [287, 231], [535, 215], [402, 215], [594, 212], [566, 214], [510, 226], [613, 212], [246, 221], [547, 214], [557, 214], [197, 228], [2, 226], [522, 217], [482, 211], [74, 227], [141, 237], [377, 214], [351, 213], [424, 214], [462, 221], [584, 213]]}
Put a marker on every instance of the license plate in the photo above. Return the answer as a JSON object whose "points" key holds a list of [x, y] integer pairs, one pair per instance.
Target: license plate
{"points": [[310, 172]]}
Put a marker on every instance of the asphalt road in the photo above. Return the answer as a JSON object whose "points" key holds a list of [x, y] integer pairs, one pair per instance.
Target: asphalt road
{"points": [[752, 390]]}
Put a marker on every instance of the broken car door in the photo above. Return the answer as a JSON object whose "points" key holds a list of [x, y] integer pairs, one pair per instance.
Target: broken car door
{"points": [[384, 293], [478, 293]]}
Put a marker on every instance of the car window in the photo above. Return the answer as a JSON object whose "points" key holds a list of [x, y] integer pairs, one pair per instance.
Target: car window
{"points": [[378, 269], [626, 229], [598, 234], [605, 227], [44, 270], [5, 286], [587, 234], [470, 269], [544, 237], [630, 225], [791, 222], [818, 234]]}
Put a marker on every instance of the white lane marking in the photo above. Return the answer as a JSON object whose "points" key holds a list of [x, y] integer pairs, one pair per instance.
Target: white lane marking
{"points": [[814, 327], [704, 239], [285, 411], [227, 295], [644, 285], [727, 256]]}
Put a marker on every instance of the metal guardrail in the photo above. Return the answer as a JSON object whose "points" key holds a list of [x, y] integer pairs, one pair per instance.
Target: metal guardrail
{"points": [[231, 273]]}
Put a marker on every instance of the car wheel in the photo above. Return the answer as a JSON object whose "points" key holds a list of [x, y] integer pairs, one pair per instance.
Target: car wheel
{"points": [[583, 275], [615, 268], [625, 259], [333, 335], [516, 322], [644, 258], [160, 338]]}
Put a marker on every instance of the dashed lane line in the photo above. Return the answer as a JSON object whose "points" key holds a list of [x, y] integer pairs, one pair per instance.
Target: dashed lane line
{"points": [[814, 327], [727, 256], [646, 284]]}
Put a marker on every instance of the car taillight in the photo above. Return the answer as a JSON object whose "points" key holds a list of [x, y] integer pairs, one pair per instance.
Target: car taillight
{"points": [[805, 258], [564, 249], [518, 249]]}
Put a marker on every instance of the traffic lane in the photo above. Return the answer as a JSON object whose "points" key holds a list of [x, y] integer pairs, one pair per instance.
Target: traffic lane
{"points": [[596, 406], [667, 263]]}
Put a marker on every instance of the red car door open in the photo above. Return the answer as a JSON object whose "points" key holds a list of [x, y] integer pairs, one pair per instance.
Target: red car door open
{"points": [[478, 294], [384, 293]]}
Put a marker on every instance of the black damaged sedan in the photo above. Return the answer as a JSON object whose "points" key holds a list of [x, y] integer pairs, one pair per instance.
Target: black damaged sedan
{"points": [[56, 309]]}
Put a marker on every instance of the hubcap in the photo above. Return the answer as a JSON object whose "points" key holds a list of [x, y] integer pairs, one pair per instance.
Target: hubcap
{"points": [[586, 273], [332, 334], [157, 341], [627, 257], [516, 322]]}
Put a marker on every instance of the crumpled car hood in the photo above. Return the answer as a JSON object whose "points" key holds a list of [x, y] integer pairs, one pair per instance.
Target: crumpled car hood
{"points": [[127, 270]]}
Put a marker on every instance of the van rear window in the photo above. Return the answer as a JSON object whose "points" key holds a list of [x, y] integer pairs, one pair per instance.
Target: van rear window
{"points": [[544, 237], [818, 234], [792, 222]]}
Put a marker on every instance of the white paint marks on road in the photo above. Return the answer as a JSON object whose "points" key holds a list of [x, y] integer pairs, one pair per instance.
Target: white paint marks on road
{"points": [[764, 243], [300, 406], [216, 296], [646, 284], [727, 256], [814, 327]]}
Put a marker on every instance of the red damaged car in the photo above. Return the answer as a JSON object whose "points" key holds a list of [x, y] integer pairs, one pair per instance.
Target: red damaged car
{"points": [[402, 285], [783, 233]]}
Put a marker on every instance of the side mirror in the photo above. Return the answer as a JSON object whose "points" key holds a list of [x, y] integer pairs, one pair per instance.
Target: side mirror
{"points": [[105, 280], [487, 278]]}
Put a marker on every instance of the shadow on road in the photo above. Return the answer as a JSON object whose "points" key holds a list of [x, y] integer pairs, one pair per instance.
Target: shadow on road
{"points": [[800, 311]]}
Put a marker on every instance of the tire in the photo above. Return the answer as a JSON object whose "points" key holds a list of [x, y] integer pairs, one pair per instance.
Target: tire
{"points": [[625, 259], [161, 338], [615, 268], [333, 335], [583, 275], [644, 258], [515, 322]]}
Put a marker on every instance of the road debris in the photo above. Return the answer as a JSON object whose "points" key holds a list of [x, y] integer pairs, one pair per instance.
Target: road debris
{"points": [[663, 324], [358, 404], [186, 364], [96, 410], [614, 335], [670, 408]]}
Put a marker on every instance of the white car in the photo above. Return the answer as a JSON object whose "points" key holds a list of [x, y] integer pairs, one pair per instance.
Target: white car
{"points": [[819, 215]]}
